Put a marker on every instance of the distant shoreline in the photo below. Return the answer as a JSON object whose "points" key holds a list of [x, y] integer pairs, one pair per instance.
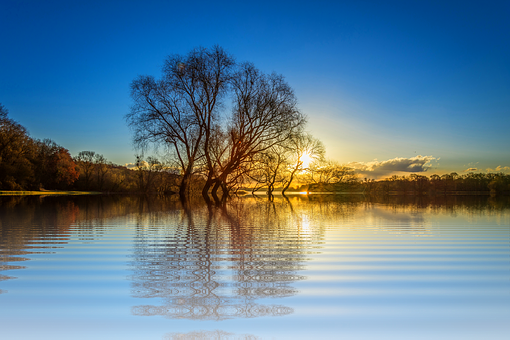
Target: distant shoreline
{"points": [[53, 193]]}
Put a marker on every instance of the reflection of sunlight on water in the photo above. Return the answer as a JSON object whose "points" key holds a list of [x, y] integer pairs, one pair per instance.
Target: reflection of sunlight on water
{"points": [[333, 267], [305, 224]]}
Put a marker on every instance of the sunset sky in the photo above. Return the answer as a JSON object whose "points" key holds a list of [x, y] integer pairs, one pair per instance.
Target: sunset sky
{"points": [[387, 86]]}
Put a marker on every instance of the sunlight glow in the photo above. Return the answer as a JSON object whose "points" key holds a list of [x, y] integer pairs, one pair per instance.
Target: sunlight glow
{"points": [[306, 159]]}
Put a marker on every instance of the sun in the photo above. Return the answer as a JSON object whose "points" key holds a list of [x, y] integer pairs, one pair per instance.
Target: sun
{"points": [[306, 159]]}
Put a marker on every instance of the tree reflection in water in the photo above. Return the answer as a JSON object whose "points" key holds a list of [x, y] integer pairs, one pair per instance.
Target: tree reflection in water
{"points": [[219, 262]]}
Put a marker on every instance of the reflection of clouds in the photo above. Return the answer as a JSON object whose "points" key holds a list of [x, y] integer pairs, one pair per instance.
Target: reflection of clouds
{"points": [[398, 220], [400, 217]]}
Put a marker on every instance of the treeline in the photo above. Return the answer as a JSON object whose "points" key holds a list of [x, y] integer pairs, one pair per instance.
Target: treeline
{"points": [[27, 163], [481, 183], [148, 175]]}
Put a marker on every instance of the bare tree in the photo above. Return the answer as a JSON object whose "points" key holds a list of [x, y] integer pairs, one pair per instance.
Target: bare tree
{"points": [[102, 167], [147, 172], [264, 115], [183, 111], [180, 110], [301, 145], [271, 165], [329, 172]]}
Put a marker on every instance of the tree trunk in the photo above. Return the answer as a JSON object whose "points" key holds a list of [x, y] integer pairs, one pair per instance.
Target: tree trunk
{"points": [[183, 188], [214, 191], [270, 189], [224, 189], [205, 190], [289, 182], [292, 176]]}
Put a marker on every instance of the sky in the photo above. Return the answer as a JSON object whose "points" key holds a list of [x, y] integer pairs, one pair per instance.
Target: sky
{"points": [[390, 87]]}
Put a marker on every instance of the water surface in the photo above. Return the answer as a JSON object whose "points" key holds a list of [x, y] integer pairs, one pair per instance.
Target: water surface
{"points": [[324, 267]]}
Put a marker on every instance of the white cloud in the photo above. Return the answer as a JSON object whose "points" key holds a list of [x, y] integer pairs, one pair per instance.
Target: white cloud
{"points": [[378, 169], [499, 168], [132, 166], [471, 170]]}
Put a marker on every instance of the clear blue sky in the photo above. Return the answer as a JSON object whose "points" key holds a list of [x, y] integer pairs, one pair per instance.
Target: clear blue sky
{"points": [[378, 80]]}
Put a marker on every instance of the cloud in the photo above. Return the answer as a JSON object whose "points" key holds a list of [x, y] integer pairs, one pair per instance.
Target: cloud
{"points": [[132, 166], [471, 170], [377, 169], [499, 168]]}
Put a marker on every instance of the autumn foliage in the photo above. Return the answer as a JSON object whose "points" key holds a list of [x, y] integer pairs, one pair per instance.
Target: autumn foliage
{"points": [[30, 164]]}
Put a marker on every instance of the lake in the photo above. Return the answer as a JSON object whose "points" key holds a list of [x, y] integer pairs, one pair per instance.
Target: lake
{"points": [[302, 267]]}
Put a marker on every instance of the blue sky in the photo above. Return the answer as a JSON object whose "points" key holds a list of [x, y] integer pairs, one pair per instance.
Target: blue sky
{"points": [[379, 81]]}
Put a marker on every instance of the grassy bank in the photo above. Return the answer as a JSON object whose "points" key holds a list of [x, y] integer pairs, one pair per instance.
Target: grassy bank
{"points": [[13, 193]]}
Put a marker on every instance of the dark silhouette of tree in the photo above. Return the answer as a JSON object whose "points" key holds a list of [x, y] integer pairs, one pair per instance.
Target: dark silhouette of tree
{"points": [[183, 112], [303, 145], [101, 168], [271, 168], [147, 171], [56, 168], [94, 168], [452, 183], [180, 110], [85, 160], [16, 152], [264, 115], [328, 175]]}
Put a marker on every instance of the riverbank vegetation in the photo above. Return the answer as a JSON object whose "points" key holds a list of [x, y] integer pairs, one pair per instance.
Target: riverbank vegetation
{"points": [[453, 183]]}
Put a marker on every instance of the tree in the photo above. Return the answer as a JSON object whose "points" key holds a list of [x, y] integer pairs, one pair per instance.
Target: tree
{"points": [[27, 163], [56, 168], [271, 166], [183, 112], [101, 168], [420, 183], [180, 110], [264, 115], [147, 171], [3, 112], [85, 161], [302, 145], [329, 172], [16, 154]]}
